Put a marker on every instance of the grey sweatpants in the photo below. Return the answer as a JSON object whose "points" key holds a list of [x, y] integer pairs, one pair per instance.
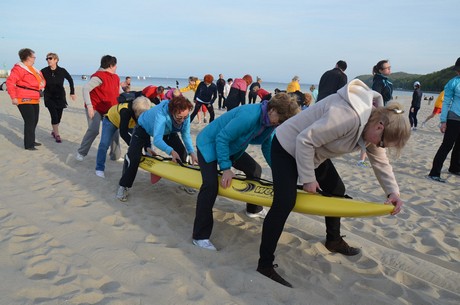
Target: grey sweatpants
{"points": [[91, 134]]}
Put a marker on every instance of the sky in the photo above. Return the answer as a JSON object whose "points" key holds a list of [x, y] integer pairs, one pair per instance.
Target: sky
{"points": [[274, 40]]}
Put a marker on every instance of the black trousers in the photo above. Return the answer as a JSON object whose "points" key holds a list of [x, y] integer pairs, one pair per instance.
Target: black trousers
{"points": [[204, 221], [198, 107], [451, 140], [252, 97], [55, 114], [30, 114], [220, 100], [285, 176], [140, 139], [413, 117]]}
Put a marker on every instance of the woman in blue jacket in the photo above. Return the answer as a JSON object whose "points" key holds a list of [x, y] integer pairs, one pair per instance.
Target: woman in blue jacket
{"points": [[162, 122], [223, 143]]}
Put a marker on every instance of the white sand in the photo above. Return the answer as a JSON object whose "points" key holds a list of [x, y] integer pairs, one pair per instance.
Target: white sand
{"points": [[65, 239]]}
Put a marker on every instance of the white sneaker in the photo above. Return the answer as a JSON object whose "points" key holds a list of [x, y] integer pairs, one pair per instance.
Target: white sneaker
{"points": [[79, 157], [260, 214], [204, 243], [100, 174], [122, 193]]}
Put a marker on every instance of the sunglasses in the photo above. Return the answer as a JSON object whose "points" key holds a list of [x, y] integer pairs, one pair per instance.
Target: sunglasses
{"points": [[49, 58]]}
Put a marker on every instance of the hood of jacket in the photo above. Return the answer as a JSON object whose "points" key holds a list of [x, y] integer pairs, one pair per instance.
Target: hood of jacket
{"points": [[362, 99]]}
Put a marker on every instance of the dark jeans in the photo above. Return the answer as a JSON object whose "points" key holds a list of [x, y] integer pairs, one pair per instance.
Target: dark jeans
{"points": [[451, 140], [204, 221], [198, 107], [220, 100], [285, 175], [30, 114], [413, 117], [140, 139], [55, 114]]}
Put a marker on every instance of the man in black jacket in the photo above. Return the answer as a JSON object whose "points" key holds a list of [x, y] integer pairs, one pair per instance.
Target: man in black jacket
{"points": [[415, 105], [220, 83], [332, 80]]}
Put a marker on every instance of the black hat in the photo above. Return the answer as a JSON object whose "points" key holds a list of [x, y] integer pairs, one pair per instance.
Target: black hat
{"points": [[457, 65]]}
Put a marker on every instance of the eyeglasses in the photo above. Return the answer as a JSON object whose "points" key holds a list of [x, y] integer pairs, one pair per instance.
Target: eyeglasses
{"points": [[180, 118], [382, 143], [49, 58]]}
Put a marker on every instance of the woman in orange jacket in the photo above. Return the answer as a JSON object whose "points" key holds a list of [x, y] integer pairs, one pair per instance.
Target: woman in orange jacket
{"points": [[25, 85]]}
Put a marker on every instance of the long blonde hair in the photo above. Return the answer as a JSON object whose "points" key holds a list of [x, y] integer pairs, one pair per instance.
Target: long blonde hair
{"points": [[397, 126]]}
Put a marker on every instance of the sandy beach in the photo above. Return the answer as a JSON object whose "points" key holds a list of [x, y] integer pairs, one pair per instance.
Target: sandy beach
{"points": [[66, 239]]}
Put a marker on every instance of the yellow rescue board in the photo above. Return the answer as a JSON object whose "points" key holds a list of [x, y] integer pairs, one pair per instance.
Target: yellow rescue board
{"points": [[262, 194]]}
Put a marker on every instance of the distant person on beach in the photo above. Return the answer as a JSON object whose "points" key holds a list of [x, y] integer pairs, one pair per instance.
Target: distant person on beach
{"points": [[163, 122], [314, 94], [415, 105], [220, 83], [332, 80], [126, 84], [227, 87], [25, 85], [437, 108], [450, 127], [100, 93], [54, 94], [222, 145], [237, 94], [294, 85], [193, 83], [302, 150], [252, 94], [380, 82], [205, 95], [122, 117], [154, 93]]}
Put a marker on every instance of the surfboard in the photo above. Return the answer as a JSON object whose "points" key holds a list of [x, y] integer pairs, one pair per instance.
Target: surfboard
{"points": [[260, 193]]}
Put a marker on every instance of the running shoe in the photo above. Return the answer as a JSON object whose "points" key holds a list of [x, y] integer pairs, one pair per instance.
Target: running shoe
{"points": [[204, 243]]}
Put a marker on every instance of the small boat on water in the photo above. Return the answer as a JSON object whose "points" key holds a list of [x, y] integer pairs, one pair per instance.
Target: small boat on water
{"points": [[84, 77]]}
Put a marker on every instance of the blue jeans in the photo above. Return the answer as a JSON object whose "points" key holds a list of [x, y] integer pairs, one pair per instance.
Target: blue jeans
{"points": [[108, 130]]}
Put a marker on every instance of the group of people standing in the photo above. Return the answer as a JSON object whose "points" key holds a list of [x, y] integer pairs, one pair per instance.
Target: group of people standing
{"points": [[347, 117]]}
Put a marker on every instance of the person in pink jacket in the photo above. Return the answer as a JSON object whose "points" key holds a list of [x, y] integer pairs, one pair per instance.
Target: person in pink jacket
{"points": [[25, 85], [302, 150]]}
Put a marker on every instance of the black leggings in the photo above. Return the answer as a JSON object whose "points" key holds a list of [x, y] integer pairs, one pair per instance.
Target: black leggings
{"points": [[413, 116], [30, 114], [285, 175], [55, 114], [140, 139], [204, 221], [451, 141], [198, 107]]}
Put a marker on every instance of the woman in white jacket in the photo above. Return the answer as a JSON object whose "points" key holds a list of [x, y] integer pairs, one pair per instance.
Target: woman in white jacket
{"points": [[303, 146]]}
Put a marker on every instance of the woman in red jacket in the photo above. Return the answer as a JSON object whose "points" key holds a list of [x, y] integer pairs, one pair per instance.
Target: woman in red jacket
{"points": [[25, 85]]}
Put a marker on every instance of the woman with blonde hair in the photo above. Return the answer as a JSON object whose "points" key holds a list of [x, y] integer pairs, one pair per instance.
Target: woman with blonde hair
{"points": [[302, 150], [54, 96]]}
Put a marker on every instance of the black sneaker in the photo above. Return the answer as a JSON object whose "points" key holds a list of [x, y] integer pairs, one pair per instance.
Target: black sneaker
{"points": [[436, 178], [455, 173], [271, 274], [341, 246]]}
